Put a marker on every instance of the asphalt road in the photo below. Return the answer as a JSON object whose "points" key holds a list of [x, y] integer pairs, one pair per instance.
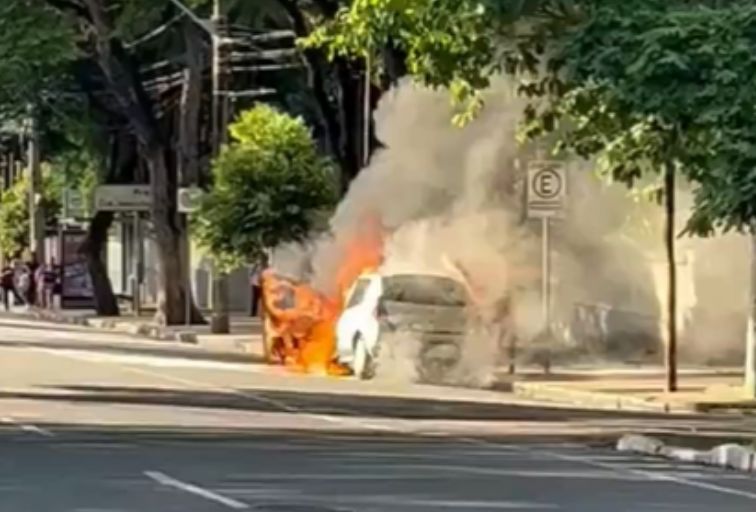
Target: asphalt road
{"points": [[101, 423]]}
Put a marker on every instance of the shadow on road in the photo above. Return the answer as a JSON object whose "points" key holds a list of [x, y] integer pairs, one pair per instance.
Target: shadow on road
{"points": [[336, 404]]}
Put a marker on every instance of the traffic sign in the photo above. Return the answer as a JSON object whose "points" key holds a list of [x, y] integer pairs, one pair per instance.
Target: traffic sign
{"points": [[123, 198], [73, 204], [547, 189], [189, 198]]}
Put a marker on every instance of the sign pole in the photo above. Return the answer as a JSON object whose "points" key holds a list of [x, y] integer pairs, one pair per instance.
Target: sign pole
{"points": [[547, 194], [137, 265], [188, 258], [546, 272]]}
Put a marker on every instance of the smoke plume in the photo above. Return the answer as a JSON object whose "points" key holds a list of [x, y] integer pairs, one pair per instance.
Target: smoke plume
{"points": [[451, 197]]}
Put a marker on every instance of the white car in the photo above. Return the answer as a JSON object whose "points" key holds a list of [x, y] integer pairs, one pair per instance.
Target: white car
{"points": [[428, 308]]}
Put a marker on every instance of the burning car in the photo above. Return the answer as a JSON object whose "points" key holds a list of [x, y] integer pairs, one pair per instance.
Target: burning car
{"points": [[426, 309], [298, 325]]}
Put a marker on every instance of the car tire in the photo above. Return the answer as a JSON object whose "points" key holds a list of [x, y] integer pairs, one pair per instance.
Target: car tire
{"points": [[362, 365]]}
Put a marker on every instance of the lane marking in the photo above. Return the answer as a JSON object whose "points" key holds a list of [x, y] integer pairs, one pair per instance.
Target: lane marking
{"points": [[368, 425], [26, 427], [36, 430], [168, 481], [661, 477]]}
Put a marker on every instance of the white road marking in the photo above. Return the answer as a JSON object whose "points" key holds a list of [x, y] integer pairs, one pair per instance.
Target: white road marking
{"points": [[26, 427], [654, 476], [36, 430], [169, 481], [661, 477]]}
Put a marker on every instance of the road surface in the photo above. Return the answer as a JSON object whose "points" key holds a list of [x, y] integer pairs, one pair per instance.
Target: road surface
{"points": [[98, 422]]}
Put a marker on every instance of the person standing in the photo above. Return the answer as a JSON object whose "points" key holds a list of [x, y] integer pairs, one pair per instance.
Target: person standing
{"points": [[39, 286], [23, 283], [53, 281], [255, 284], [8, 288]]}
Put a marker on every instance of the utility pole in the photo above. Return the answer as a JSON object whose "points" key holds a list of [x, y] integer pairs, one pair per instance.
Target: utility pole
{"points": [[219, 323], [36, 211], [367, 111]]}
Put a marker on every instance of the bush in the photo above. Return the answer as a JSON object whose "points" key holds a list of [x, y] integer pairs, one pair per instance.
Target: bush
{"points": [[269, 185]]}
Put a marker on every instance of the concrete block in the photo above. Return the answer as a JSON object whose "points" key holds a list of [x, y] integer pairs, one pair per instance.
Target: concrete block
{"points": [[640, 444], [186, 337], [733, 456], [685, 454]]}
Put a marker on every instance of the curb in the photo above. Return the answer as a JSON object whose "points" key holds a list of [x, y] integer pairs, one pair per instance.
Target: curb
{"points": [[594, 399], [144, 330], [730, 456]]}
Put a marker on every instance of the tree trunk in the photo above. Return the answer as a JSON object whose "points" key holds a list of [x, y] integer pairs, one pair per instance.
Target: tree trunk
{"points": [[172, 287], [669, 241], [93, 248], [750, 363], [123, 80]]}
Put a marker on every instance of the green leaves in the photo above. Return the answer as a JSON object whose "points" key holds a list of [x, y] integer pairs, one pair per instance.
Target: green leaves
{"points": [[14, 213], [665, 83], [269, 184], [447, 42], [36, 48]]}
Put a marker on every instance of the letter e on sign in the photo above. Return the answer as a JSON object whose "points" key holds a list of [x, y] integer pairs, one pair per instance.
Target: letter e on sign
{"points": [[547, 189]]}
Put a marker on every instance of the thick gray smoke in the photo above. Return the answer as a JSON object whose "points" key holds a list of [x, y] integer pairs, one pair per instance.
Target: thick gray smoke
{"points": [[453, 198]]}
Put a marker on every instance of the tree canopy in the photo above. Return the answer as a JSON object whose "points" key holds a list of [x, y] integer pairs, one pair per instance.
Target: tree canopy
{"points": [[637, 84], [269, 184]]}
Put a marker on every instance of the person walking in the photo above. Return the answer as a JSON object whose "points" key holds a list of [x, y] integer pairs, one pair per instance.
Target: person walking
{"points": [[23, 283], [7, 285]]}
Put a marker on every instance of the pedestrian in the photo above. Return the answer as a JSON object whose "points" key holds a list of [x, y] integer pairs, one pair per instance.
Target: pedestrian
{"points": [[255, 284], [23, 284], [39, 286], [31, 291], [57, 288], [46, 285], [8, 288]]}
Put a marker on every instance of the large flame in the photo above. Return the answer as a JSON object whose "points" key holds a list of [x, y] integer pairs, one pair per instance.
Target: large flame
{"points": [[301, 321]]}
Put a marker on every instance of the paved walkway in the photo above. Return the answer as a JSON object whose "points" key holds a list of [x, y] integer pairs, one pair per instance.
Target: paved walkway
{"points": [[244, 337], [700, 389]]}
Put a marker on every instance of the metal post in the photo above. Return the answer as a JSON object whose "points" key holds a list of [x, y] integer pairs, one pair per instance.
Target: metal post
{"points": [[188, 263], [138, 263], [366, 113], [545, 273], [220, 323]]}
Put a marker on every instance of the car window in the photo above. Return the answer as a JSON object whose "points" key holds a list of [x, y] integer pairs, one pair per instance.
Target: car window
{"points": [[359, 292], [427, 290]]}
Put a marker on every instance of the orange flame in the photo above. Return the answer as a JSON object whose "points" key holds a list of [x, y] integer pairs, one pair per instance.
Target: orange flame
{"points": [[300, 325]]}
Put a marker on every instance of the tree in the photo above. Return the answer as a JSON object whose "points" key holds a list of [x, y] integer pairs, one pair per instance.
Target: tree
{"points": [[108, 72], [269, 184], [459, 45], [14, 213], [647, 86]]}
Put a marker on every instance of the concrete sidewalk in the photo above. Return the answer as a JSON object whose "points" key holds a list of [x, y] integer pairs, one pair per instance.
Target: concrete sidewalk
{"points": [[700, 390], [245, 336]]}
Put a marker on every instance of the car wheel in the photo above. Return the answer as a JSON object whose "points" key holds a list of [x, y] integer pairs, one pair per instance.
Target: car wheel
{"points": [[362, 365]]}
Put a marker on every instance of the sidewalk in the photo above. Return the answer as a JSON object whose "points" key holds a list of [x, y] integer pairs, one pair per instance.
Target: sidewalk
{"points": [[700, 390], [244, 338]]}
